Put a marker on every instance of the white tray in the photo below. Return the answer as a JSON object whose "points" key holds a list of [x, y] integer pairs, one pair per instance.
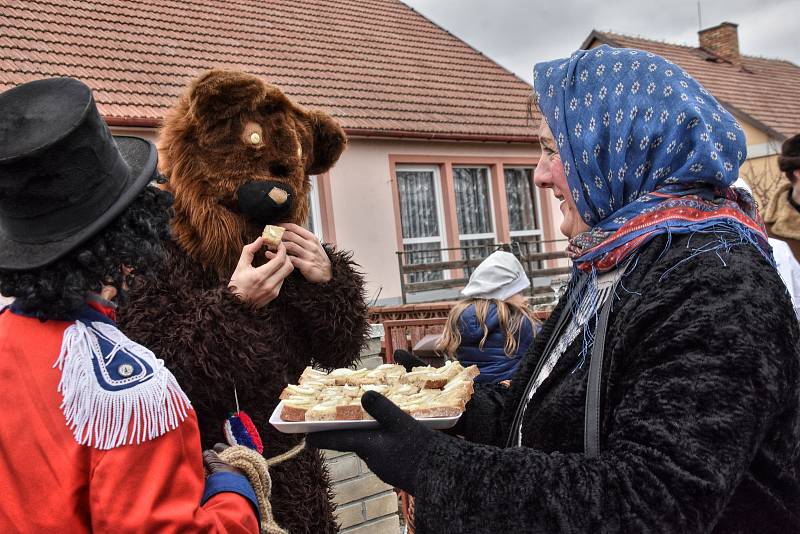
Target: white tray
{"points": [[304, 427]]}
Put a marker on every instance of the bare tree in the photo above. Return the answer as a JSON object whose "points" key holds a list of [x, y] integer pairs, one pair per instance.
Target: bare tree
{"points": [[763, 177]]}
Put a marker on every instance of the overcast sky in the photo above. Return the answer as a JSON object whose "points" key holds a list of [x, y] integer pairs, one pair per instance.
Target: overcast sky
{"points": [[518, 33]]}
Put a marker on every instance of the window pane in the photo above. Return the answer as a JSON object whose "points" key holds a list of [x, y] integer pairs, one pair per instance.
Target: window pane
{"points": [[519, 196], [309, 224], [423, 253], [312, 223], [473, 209], [418, 209]]}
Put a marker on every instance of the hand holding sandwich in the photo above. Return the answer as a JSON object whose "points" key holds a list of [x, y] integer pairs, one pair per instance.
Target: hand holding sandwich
{"points": [[306, 253], [393, 451], [260, 285]]}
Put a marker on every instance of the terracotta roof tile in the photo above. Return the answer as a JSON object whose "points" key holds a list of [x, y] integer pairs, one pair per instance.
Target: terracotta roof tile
{"points": [[377, 65], [767, 91]]}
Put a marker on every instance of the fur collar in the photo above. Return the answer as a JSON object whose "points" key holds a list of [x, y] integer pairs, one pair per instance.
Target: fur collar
{"points": [[782, 218]]}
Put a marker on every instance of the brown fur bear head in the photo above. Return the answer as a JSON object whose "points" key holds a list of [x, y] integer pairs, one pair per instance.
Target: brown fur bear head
{"points": [[229, 144]]}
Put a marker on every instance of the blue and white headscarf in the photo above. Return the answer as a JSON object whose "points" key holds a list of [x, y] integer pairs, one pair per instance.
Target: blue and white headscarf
{"points": [[637, 135]]}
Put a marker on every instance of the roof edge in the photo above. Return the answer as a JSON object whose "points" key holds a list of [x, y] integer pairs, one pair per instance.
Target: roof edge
{"points": [[752, 120], [600, 36], [435, 136], [134, 122]]}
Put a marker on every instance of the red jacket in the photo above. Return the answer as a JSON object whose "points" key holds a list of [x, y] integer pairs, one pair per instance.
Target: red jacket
{"points": [[51, 483]]}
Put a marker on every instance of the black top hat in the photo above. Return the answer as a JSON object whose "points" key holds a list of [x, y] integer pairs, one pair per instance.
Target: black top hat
{"points": [[63, 176]]}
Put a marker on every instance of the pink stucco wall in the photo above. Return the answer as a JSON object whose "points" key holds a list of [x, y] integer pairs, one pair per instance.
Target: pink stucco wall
{"points": [[363, 207], [363, 213]]}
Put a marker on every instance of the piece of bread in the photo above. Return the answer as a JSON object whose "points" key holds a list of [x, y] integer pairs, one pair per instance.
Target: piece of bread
{"points": [[351, 411], [312, 376], [272, 235], [323, 411], [300, 391], [295, 408], [436, 410], [380, 388], [336, 396], [340, 376], [391, 372], [424, 379], [354, 378], [402, 389]]}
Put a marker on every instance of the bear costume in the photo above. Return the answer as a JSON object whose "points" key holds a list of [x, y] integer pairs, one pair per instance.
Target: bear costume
{"points": [[228, 146]]}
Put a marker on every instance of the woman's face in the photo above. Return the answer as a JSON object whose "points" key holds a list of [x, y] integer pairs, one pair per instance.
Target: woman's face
{"points": [[549, 174]]}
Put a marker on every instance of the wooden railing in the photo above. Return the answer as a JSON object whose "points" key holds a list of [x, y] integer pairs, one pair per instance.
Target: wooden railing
{"points": [[538, 258]]}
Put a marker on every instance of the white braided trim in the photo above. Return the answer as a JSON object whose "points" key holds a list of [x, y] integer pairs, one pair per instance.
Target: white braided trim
{"points": [[107, 419]]}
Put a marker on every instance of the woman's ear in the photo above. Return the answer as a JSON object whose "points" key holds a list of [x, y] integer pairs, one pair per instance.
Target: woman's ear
{"points": [[327, 141]]}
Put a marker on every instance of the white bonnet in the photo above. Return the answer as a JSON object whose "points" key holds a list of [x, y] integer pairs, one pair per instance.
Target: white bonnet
{"points": [[499, 276]]}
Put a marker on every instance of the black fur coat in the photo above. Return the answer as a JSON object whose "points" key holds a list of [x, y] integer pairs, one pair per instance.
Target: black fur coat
{"points": [[213, 342], [700, 424]]}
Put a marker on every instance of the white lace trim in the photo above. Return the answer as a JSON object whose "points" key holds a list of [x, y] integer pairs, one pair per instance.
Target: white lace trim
{"points": [[146, 406]]}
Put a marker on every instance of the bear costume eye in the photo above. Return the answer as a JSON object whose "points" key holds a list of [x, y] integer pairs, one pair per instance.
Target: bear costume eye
{"points": [[252, 134]]}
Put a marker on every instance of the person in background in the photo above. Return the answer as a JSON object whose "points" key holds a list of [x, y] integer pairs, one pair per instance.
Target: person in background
{"points": [[785, 261], [663, 393], [493, 326], [782, 213], [96, 435]]}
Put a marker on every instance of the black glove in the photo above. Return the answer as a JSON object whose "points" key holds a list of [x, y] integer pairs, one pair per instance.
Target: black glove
{"points": [[393, 451], [407, 360]]}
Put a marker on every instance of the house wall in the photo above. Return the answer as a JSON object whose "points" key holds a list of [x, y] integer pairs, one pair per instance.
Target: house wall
{"points": [[358, 198], [365, 210]]}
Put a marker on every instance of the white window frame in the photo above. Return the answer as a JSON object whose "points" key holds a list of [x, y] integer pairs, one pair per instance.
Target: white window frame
{"points": [[536, 202], [316, 211], [437, 191], [485, 235]]}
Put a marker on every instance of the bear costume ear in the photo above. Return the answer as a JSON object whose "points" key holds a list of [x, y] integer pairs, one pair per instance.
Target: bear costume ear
{"points": [[221, 94], [327, 141]]}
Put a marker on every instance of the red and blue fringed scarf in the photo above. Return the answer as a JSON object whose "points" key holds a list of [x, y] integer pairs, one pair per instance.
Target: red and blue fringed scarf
{"points": [[672, 209]]}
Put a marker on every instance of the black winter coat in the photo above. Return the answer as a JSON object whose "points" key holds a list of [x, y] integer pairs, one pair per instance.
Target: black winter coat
{"points": [[213, 342], [700, 418]]}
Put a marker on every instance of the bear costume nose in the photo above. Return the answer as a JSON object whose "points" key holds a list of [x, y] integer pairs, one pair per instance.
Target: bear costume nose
{"points": [[265, 202]]}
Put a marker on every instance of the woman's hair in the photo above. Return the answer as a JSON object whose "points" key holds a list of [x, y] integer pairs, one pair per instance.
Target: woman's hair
{"points": [[509, 314], [134, 239]]}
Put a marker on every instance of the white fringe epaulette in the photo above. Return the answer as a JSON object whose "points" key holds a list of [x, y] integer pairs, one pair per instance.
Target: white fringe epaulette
{"points": [[116, 392]]}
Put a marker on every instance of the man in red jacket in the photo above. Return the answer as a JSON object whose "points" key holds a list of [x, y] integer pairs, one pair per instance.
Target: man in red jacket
{"points": [[96, 435]]}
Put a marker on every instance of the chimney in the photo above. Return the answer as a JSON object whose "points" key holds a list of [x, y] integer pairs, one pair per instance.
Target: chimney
{"points": [[723, 41]]}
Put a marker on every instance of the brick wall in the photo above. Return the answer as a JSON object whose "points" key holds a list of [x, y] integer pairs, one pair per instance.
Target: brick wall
{"points": [[365, 504], [722, 40]]}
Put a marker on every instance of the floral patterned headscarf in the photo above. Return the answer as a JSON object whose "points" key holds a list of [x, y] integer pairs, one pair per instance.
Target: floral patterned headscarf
{"points": [[646, 151]]}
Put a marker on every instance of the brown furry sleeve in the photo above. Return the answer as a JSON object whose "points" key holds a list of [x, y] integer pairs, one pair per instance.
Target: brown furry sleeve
{"points": [[334, 314], [209, 328]]}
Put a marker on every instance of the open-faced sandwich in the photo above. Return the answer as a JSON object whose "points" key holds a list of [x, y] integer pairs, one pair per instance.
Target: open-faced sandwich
{"points": [[336, 396]]}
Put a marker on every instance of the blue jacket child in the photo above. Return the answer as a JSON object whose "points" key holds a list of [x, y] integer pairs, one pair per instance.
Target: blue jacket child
{"points": [[492, 327], [490, 357]]}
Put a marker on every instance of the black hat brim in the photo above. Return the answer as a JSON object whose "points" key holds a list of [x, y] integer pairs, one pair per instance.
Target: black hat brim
{"points": [[141, 156]]}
